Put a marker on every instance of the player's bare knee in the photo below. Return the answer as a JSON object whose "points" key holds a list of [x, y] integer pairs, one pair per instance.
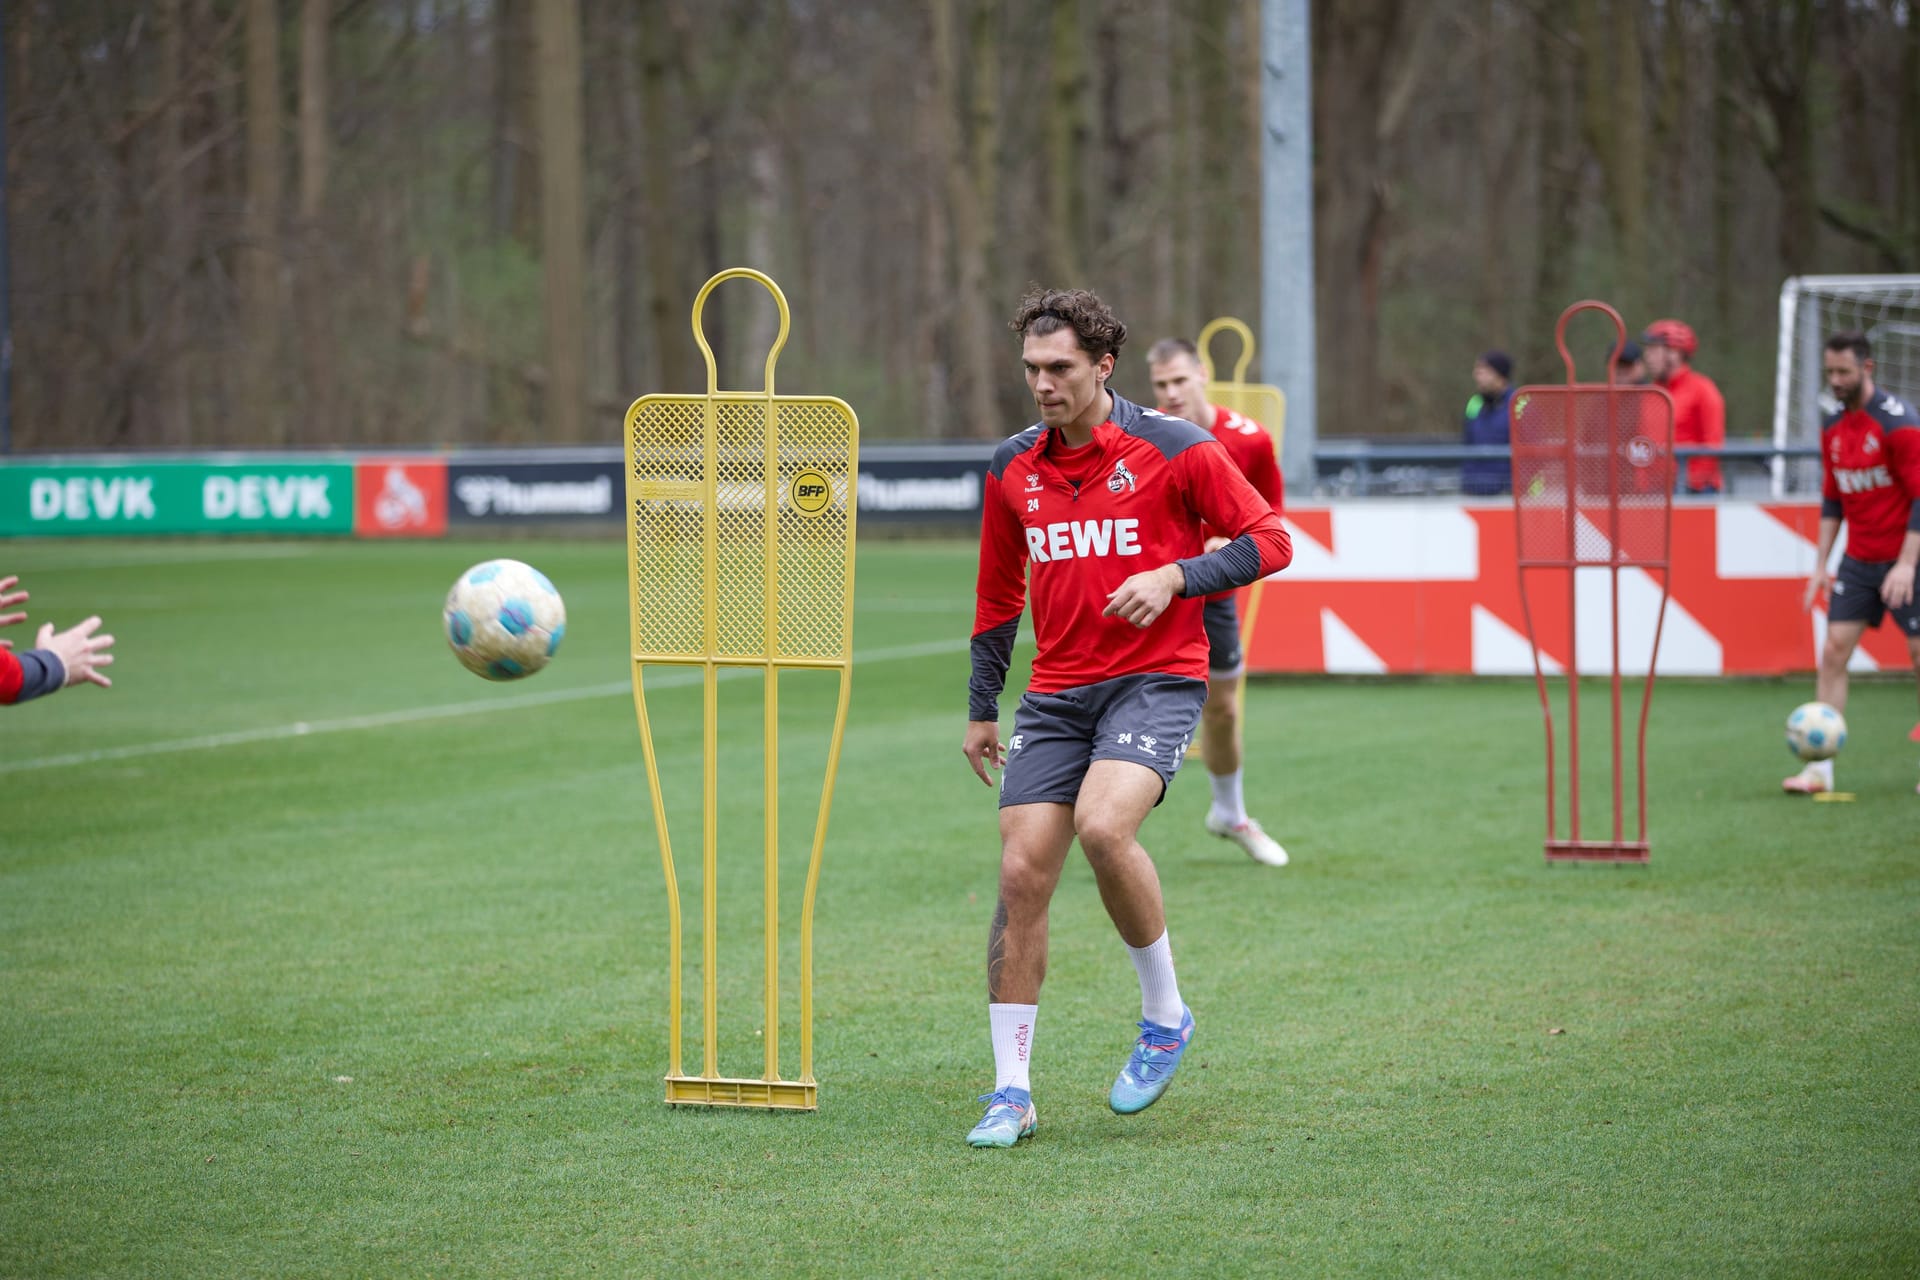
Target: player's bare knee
{"points": [[1025, 884], [1103, 836]]}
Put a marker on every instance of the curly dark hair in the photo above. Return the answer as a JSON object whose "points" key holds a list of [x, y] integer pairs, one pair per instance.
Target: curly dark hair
{"points": [[1043, 311]]}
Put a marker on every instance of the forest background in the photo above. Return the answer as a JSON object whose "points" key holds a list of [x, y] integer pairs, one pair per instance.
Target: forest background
{"points": [[433, 222]]}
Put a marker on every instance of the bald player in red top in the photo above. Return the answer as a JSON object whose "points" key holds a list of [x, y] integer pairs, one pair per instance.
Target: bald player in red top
{"points": [[1180, 387], [1097, 514], [1699, 411], [1870, 467]]}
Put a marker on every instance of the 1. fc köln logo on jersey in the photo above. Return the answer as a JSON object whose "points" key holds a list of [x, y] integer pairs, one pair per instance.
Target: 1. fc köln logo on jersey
{"points": [[1121, 478]]}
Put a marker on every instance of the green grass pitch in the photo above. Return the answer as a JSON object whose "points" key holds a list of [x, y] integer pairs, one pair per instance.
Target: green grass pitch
{"points": [[386, 995]]}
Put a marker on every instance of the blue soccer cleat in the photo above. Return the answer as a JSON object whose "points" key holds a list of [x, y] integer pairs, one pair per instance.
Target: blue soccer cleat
{"points": [[1150, 1067], [1010, 1117]]}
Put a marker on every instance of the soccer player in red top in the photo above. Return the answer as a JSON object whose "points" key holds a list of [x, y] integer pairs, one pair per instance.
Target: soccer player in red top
{"points": [[1097, 513], [1180, 387], [1699, 411], [1870, 465], [59, 658]]}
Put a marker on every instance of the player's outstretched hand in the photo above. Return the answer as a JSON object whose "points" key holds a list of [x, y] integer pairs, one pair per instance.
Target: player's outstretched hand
{"points": [[9, 598], [1816, 590], [1142, 598], [80, 651], [982, 748], [1897, 587]]}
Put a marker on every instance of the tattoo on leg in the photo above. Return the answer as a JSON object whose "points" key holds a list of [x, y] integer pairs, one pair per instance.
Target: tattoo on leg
{"points": [[996, 950]]}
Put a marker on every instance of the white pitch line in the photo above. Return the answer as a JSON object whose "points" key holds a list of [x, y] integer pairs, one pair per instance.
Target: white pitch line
{"points": [[413, 715]]}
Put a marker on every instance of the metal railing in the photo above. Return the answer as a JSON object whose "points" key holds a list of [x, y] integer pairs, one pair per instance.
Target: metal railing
{"points": [[1370, 469]]}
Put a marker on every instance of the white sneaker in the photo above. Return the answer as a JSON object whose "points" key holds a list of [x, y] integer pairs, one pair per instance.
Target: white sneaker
{"points": [[1811, 780], [1260, 846]]}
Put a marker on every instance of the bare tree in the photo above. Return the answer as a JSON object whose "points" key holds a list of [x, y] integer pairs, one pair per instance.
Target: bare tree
{"points": [[260, 256], [562, 219]]}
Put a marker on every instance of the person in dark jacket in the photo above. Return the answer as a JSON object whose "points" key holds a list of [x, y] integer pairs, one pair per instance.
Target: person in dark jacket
{"points": [[1487, 421]]}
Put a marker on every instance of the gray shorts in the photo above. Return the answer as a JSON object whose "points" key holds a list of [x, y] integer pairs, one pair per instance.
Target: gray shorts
{"points": [[1148, 719], [1222, 620], [1855, 596]]}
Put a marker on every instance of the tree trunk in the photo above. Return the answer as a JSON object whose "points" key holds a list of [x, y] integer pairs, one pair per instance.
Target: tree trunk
{"points": [[1725, 195], [260, 261], [1067, 129], [316, 18], [1493, 286], [1779, 46], [1908, 161], [514, 189], [675, 366], [172, 411], [1223, 261], [1164, 145], [972, 328], [562, 222], [320, 403], [629, 351], [1356, 107], [1558, 160], [1613, 114], [935, 321]]}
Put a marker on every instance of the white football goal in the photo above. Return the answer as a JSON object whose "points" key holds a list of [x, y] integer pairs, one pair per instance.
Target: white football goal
{"points": [[1812, 308]]}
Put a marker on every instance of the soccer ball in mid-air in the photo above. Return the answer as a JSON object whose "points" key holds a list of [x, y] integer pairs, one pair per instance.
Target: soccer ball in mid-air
{"points": [[1815, 731], [504, 619]]}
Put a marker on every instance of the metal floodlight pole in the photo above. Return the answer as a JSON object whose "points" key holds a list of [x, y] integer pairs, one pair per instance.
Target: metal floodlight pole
{"points": [[1286, 228]]}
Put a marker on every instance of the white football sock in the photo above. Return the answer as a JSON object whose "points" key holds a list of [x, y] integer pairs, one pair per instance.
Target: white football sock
{"points": [[1159, 992], [1825, 769], [1012, 1026], [1228, 803]]}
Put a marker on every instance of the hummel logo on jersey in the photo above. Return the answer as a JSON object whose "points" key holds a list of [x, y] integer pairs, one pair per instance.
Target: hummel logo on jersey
{"points": [[1033, 482], [1078, 539], [1121, 478], [1871, 446], [1861, 479]]}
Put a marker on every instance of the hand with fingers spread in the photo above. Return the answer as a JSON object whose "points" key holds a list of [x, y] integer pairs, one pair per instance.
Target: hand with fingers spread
{"points": [[58, 658], [80, 651]]}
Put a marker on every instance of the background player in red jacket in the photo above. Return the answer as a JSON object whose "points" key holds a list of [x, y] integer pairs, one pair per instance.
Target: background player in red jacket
{"points": [[1699, 411], [1870, 464], [1098, 514], [59, 658], [1180, 387]]}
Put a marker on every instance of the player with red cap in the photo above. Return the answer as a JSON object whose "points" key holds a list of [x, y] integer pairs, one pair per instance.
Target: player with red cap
{"points": [[1699, 411]]}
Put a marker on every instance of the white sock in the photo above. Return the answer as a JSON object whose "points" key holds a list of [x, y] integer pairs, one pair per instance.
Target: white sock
{"points": [[1012, 1026], [1228, 803], [1825, 769], [1159, 992]]}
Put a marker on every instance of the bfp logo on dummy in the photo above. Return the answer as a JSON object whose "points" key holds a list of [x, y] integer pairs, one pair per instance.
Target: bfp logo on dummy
{"points": [[176, 497]]}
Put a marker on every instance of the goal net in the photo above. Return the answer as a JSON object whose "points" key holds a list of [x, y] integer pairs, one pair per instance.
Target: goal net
{"points": [[1813, 308]]}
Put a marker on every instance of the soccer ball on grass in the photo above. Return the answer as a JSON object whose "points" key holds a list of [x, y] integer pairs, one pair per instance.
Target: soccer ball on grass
{"points": [[504, 620], [1815, 731]]}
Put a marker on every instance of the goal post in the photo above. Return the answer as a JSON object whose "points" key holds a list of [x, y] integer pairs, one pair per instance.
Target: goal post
{"points": [[1812, 308]]}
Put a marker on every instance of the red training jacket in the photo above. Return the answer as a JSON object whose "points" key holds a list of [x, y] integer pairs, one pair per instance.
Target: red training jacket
{"points": [[1250, 445], [1070, 525], [1699, 417]]}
